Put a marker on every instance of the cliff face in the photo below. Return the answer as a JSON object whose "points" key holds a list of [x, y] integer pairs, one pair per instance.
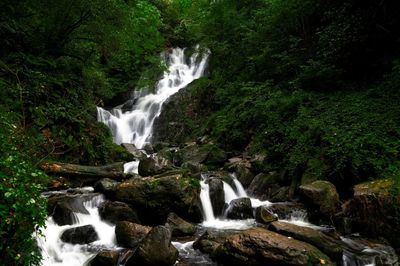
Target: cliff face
{"points": [[183, 115]]}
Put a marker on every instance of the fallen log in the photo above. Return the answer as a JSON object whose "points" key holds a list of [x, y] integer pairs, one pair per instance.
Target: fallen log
{"points": [[114, 171]]}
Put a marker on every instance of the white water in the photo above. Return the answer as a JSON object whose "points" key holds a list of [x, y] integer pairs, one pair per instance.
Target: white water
{"points": [[55, 252], [136, 126], [229, 194]]}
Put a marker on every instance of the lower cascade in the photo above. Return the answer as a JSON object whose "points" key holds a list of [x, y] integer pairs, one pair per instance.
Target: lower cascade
{"points": [[77, 232]]}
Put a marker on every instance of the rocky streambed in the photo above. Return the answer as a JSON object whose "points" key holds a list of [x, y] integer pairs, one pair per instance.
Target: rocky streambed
{"points": [[192, 205]]}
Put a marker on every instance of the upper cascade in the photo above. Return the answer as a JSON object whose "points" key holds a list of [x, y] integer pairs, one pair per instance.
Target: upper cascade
{"points": [[135, 126]]}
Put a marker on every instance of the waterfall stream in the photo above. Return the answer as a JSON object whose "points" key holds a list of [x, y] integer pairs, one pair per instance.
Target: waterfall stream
{"points": [[136, 127]]}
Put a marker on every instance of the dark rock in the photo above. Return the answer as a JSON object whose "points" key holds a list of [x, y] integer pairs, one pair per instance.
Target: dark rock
{"points": [[323, 195], [280, 195], [284, 210], [259, 246], [80, 235], [264, 186], [130, 234], [156, 164], [148, 148], [239, 209], [327, 244], [155, 249], [179, 227], [131, 148], [105, 258], [63, 206], [374, 210], [154, 198], [208, 154], [194, 167], [192, 102], [106, 186], [114, 211], [264, 215], [242, 169], [217, 195]]}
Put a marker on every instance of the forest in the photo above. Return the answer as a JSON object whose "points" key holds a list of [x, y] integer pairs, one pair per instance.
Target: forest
{"points": [[312, 85]]}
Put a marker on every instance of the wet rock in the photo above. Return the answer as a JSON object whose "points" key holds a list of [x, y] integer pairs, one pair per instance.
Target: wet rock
{"points": [[80, 235], [130, 234], [105, 258], [264, 215], [155, 249], [63, 206], [323, 195], [194, 167], [217, 195], [106, 186], [155, 197], [361, 251], [373, 210], [280, 195], [242, 169], [259, 246], [327, 244], [264, 186], [156, 164], [239, 209], [208, 154], [284, 210], [131, 148], [114, 211], [179, 227]]}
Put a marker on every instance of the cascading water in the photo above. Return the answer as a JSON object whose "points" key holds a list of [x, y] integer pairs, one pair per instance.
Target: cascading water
{"points": [[56, 252], [135, 126]]}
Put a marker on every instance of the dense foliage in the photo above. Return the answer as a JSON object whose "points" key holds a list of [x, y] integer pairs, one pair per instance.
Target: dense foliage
{"points": [[22, 209], [58, 60], [311, 84]]}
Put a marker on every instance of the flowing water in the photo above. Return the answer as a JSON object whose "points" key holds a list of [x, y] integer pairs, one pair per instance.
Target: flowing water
{"points": [[136, 126], [58, 253]]}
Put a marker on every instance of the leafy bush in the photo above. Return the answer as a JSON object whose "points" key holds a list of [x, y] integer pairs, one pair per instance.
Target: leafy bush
{"points": [[22, 209]]}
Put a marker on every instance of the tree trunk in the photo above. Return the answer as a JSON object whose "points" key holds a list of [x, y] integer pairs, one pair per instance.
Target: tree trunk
{"points": [[113, 171]]}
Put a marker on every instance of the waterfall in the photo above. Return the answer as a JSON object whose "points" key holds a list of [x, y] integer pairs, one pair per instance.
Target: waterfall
{"points": [[56, 252], [136, 126]]}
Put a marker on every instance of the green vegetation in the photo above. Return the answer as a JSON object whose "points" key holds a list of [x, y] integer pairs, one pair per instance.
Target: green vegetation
{"points": [[313, 85]]}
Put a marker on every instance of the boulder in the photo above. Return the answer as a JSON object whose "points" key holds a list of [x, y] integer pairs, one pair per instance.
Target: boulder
{"points": [[155, 197], [63, 206], [239, 209], [217, 195], [130, 234], [105, 258], [194, 167], [331, 246], [106, 186], [80, 235], [259, 246], [321, 196], [264, 186], [114, 211], [374, 210], [242, 169], [155, 249], [156, 164], [208, 154], [179, 227], [284, 210], [264, 215], [131, 148]]}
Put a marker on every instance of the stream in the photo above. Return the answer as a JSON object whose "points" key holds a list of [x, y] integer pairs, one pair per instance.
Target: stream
{"points": [[135, 126]]}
